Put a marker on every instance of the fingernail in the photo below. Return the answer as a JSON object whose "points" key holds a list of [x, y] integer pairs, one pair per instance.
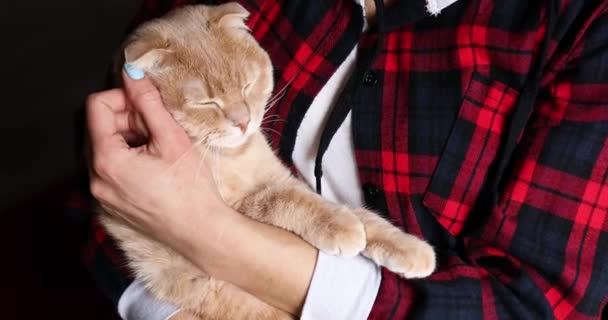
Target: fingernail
{"points": [[134, 72]]}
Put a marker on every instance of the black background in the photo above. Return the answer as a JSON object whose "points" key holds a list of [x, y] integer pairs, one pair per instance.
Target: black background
{"points": [[52, 55]]}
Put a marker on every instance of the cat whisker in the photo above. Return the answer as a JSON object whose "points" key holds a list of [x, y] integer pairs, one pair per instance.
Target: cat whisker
{"points": [[268, 122], [273, 101], [277, 96], [272, 118], [271, 130], [216, 173], [268, 107], [202, 159], [280, 92]]}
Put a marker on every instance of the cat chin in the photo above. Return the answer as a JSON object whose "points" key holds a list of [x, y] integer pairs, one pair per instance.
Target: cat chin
{"points": [[231, 142], [235, 140]]}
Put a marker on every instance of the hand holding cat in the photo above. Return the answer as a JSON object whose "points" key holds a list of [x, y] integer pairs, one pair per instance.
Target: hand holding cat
{"points": [[151, 186]]}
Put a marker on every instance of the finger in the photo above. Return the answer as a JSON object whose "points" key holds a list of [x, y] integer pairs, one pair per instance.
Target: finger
{"points": [[147, 101], [136, 122], [101, 117], [131, 126], [116, 99]]}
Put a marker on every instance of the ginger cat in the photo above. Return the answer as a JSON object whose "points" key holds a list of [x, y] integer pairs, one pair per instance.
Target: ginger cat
{"points": [[216, 81]]}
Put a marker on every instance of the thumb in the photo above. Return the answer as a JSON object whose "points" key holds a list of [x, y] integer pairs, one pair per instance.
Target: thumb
{"points": [[147, 101]]}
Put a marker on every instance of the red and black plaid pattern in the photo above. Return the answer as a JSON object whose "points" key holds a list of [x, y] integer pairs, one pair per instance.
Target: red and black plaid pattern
{"points": [[480, 122], [427, 126]]}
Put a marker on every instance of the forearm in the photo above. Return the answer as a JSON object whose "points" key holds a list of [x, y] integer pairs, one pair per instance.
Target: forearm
{"points": [[272, 264]]}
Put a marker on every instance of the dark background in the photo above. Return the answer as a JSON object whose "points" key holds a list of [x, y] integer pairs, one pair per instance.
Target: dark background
{"points": [[53, 54]]}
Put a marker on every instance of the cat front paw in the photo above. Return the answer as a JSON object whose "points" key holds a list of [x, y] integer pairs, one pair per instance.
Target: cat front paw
{"points": [[339, 233], [415, 260]]}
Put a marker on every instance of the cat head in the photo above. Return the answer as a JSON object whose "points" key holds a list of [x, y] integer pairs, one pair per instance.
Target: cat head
{"points": [[213, 76]]}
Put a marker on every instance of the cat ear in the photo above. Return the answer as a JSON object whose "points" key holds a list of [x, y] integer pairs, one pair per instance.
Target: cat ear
{"points": [[145, 55], [232, 15]]}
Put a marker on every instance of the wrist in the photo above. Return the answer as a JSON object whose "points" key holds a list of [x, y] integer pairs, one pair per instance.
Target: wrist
{"points": [[273, 264], [204, 238]]}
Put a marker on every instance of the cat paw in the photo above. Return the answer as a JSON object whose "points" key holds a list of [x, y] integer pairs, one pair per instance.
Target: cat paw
{"points": [[412, 261], [341, 234]]}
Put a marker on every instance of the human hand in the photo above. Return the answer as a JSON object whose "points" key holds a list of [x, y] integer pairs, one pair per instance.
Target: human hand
{"points": [[162, 189], [159, 187]]}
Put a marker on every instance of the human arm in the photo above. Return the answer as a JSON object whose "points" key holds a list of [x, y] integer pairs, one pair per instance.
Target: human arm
{"points": [[179, 220], [364, 273]]}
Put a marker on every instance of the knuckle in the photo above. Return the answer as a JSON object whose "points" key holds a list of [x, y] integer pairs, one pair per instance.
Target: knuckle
{"points": [[94, 99], [103, 165], [97, 189], [98, 165]]}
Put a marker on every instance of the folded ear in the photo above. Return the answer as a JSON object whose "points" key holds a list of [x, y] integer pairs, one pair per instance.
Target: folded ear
{"points": [[231, 15], [146, 53]]}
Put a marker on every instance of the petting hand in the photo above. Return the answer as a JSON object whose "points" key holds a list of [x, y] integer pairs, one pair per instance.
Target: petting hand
{"points": [[156, 187], [163, 189]]}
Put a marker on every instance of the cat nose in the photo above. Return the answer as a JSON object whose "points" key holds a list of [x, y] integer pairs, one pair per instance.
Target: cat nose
{"points": [[241, 121]]}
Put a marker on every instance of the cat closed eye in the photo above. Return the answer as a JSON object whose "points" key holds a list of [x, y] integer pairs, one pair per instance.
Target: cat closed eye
{"points": [[205, 104], [246, 89]]}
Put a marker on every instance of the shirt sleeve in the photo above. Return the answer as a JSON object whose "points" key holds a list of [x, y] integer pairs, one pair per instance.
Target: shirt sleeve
{"points": [[136, 303], [341, 288]]}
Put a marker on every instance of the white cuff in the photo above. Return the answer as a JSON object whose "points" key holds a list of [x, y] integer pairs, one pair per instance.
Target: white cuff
{"points": [[342, 288], [136, 303]]}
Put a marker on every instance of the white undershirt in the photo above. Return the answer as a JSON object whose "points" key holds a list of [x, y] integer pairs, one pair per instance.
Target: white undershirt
{"points": [[341, 288], [340, 181]]}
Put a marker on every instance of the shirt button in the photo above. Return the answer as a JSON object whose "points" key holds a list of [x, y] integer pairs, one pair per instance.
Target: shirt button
{"points": [[372, 196], [371, 191], [370, 78]]}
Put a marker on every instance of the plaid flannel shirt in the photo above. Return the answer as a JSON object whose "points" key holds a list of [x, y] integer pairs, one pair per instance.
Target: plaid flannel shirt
{"points": [[428, 124]]}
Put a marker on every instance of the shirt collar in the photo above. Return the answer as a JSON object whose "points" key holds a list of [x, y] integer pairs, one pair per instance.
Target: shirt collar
{"points": [[434, 7], [403, 12]]}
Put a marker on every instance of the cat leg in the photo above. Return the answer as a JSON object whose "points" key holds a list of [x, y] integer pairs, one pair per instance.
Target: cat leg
{"points": [[292, 206], [388, 246]]}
